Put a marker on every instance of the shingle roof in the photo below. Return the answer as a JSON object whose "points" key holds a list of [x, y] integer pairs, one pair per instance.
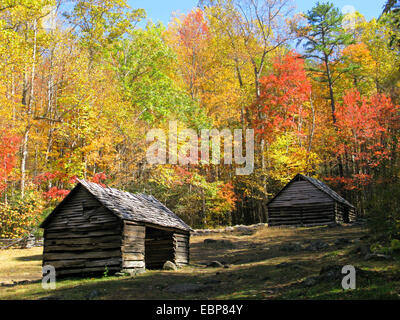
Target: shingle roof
{"points": [[323, 187], [319, 185], [135, 207]]}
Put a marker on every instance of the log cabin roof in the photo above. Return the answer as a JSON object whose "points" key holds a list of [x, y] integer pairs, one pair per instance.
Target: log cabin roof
{"points": [[319, 185], [132, 207]]}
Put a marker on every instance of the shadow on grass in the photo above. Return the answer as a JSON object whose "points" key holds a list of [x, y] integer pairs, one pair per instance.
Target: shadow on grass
{"points": [[244, 282], [37, 257], [241, 283], [246, 251]]}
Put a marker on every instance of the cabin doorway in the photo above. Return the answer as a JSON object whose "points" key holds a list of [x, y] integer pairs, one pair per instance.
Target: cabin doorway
{"points": [[159, 248], [346, 215]]}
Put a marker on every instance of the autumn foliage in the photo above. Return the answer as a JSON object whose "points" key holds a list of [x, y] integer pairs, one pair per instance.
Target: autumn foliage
{"points": [[79, 91], [284, 94], [365, 128], [8, 156]]}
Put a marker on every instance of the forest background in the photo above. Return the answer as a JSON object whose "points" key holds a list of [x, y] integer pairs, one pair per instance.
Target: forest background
{"points": [[82, 82]]}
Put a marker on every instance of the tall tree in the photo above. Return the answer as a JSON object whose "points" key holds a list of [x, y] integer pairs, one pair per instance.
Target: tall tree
{"points": [[258, 24], [99, 23], [324, 38]]}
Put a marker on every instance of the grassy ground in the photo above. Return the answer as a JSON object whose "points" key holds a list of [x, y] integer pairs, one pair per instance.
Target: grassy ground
{"points": [[256, 271]]}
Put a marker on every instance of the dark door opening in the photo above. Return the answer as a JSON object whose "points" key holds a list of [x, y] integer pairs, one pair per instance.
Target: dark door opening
{"points": [[346, 215], [159, 248]]}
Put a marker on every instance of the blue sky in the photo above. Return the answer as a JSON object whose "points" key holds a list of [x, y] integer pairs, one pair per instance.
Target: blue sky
{"points": [[161, 10]]}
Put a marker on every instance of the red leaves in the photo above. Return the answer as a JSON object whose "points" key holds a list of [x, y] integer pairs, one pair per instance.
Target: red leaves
{"points": [[48, 176], [283, 94], [364, 134], [98, 178], [364, 125], [8, 149], [62, 179], [55, 194], [356, 181]]}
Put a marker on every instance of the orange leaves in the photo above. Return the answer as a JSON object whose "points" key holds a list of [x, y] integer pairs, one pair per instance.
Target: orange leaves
{"points": [[55, 194], [366, 122], [8, 149], [226, 192], [190, 39], [193, 29], [98, 178], [355, 182], [281, 106], [365, 127]]}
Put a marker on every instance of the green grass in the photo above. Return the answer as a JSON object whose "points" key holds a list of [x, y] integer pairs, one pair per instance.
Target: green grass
{"points": [[255, 271]]}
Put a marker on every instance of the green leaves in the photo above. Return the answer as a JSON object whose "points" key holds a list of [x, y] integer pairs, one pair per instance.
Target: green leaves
{"points": [[324, 35], [144, 65], [99, 23]]}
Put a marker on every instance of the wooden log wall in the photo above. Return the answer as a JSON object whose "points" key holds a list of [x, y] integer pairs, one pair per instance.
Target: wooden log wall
{"points": [[182, 249], [159, 247], [341, 210], [83, 237], [133, 247], [316, 214]]}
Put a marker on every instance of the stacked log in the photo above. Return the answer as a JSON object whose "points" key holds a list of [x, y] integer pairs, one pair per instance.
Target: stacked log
{"points": [[133, 248], [301, 215], [182, 248], [83, 238]]}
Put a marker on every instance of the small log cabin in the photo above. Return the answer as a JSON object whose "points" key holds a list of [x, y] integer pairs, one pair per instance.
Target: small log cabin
{"points": [[95, 229], [306, 201]]}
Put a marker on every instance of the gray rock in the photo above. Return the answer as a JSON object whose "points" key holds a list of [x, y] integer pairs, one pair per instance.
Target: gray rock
{"points": [[168, 265], [121, 274], [362, 249], [30, 242], [215, 264], [93, 294], [317, 245], [244, 230], [311, 281], [331, 272]]}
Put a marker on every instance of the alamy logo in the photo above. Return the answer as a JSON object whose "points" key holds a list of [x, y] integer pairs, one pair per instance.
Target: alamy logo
{"points": [[183, 147], [49, 277], [349, 281]]}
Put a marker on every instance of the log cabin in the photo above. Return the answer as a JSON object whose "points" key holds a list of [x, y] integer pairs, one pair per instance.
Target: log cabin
{"points": [[306, 201], [98, 229]]}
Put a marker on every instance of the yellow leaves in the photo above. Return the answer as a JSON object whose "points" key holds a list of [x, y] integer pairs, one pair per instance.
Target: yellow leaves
{"points": [[20, 217], [361, 65], [288, 158]]}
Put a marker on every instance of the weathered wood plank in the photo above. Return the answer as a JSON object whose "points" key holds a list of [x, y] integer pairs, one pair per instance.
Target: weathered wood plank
{"points": [[133, 264], [81, 255]]}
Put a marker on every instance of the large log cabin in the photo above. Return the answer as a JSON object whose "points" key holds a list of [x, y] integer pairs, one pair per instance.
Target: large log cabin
{"points": [[97, 229]]}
